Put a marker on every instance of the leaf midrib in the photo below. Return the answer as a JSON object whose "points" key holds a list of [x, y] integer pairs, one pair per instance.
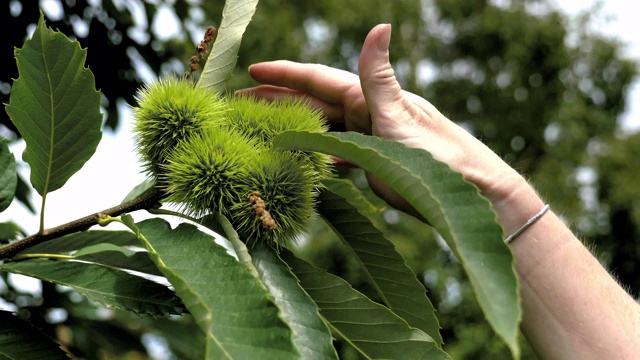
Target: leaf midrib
{"points": [[51, 124]]}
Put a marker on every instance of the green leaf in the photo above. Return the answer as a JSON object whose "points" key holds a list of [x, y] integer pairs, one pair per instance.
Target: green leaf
{"points": [[310, 334], [344, 207], [137, 261], [108, 248], [102, 247], [8, 175], [79, 240], [372, 329], [9, 231], [23, 194], [452, 205], [139, 189], [228, 303], [55, 106], [20, 340], [223, 57], [108, 287]]}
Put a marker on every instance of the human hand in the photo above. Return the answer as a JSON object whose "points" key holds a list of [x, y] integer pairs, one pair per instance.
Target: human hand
{"points": [[374, 103], [552, 264]]}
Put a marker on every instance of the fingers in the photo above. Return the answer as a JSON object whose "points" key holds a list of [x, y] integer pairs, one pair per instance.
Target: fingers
{"points": [[342, 163], [325, 83], [337, 92], [379, 85]]}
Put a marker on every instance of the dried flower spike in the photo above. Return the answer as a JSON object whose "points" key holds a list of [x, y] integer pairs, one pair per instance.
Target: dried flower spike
{"points": [[210, 34], [202, 51]]}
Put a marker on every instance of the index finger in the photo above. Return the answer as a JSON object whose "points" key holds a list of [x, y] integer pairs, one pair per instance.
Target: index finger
{"points": [[323, 82]]}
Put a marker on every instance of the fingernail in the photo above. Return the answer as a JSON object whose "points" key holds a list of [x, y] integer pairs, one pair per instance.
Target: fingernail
{"points": [[384, 39]]}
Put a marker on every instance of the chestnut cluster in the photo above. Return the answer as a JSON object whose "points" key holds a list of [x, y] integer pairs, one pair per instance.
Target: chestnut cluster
{"points": [[212, 153]]}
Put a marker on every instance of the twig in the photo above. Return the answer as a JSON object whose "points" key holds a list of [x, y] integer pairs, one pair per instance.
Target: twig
{"points": [[148, 199]]}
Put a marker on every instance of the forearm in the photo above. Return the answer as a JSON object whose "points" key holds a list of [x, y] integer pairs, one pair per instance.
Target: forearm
{"points": [[573, 308]]}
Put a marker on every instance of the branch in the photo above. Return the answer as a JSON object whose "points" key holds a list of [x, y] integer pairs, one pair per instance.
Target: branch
{"points": [[148, 199]]}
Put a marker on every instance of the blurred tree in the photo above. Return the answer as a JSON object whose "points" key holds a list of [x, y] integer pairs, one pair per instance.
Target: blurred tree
{"points": [[542, 91], [616, 218]]}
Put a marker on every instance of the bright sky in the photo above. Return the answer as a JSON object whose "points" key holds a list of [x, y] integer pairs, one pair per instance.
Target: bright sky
{"points": [[106, 179]]}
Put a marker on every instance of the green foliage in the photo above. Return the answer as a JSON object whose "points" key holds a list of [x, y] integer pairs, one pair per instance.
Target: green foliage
{"points": [[8, 176], [109, 287], [85, 239], [452, 205], [184, 338], [372, 329], [310, 334], [230, 306], [345, 209], [8, 232], [140, 189], [617, 166], [114, 256], [19, 340], [105, 29], [55, 107]]}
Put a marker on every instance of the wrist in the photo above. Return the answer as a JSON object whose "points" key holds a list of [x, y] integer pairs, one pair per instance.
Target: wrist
{"points": [[514, 201]]}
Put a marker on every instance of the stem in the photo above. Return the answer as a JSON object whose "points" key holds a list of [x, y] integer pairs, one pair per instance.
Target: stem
{"points": [[44, 201], [146, 200], [239, 247], [43, 256]]}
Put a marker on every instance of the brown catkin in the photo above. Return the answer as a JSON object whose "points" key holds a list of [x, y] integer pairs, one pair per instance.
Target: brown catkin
{"points": [[260, 209]]}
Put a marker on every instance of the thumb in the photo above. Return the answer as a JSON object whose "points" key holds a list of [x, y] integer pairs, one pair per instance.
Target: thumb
{"points": [[379, 85]]}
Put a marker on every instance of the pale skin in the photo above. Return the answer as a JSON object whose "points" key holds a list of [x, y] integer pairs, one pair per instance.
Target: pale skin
{"points": [[573, 308]]}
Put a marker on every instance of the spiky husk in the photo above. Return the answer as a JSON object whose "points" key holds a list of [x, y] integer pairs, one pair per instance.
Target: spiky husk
{"points": [[288, 196], [169, 111], [205, 173], [264, 120], [214, 154]]}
